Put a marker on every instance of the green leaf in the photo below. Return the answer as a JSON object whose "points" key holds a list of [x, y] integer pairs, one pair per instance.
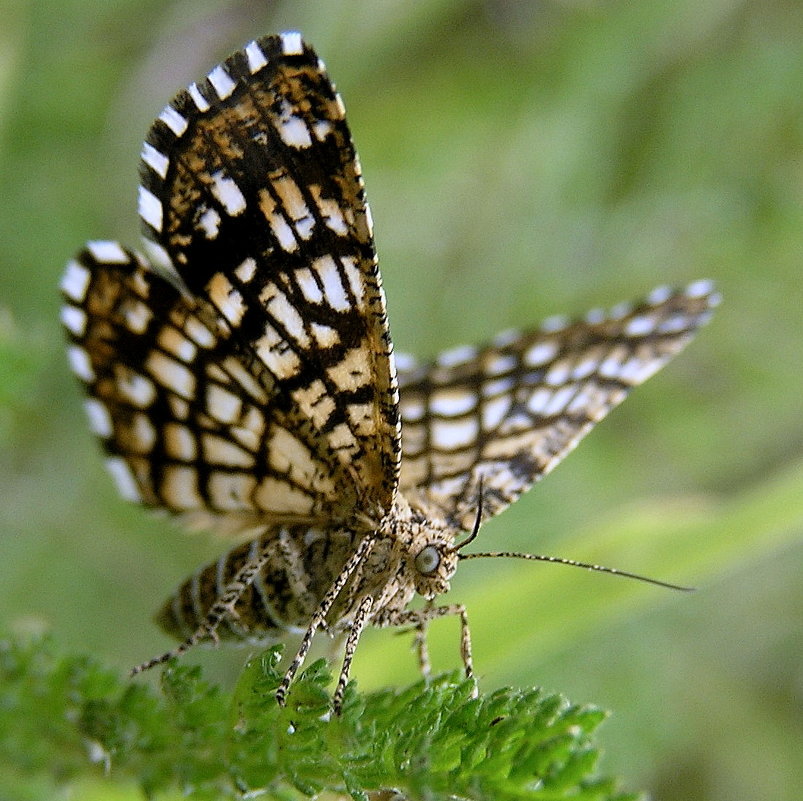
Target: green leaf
{"points": [[68, 720]]}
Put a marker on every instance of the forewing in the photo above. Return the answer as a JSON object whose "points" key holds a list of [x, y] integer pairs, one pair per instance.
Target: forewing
{"points": [[185, 425], [251, 190], [508, 413]]}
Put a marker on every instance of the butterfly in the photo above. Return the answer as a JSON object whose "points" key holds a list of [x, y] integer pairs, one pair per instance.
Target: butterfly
{"points": [[242, 375]]}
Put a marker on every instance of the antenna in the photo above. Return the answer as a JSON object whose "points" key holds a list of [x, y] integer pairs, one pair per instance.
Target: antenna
{"points": [[571, 562], [478, 520]]}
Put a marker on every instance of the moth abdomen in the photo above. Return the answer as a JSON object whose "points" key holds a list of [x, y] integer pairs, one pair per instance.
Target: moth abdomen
{"points": [[264, 609], [299, 564]]}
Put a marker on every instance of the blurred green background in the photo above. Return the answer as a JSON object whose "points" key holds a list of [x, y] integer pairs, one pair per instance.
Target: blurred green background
{"points": [[522, 159]]}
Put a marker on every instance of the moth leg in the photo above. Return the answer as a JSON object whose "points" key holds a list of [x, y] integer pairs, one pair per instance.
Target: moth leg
{"points": [[420, 618], [420, 644], [420, 641], [358, 624], [223, 607], [319, 616], [296, 575]]}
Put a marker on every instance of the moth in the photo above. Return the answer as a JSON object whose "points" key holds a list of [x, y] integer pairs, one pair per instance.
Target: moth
{"points": [[242, 375]]}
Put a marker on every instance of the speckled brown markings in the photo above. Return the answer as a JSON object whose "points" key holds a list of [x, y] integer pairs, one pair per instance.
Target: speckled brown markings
{"points": [[243, 375]]}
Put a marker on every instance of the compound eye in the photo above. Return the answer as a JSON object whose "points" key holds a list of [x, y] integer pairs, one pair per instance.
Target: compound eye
{"points": [[428, 560]]}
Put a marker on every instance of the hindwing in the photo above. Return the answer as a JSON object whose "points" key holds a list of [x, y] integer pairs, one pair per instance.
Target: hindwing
{"points": [[507, 413]]}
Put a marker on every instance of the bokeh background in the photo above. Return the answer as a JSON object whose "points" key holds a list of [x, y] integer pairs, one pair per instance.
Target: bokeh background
{"points": [[522, 159]]}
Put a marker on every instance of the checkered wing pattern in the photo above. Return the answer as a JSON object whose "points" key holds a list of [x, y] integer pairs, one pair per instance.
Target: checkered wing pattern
{"points": [[251, 370], [506, 414]]}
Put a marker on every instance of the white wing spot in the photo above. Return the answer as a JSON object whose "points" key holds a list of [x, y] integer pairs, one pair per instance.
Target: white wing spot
{"points": [[354, 279], [456, 356], [100, 422], [227, 299], [635, 370], [246, 270], [560, 399], [107, 252], [293, 202], [558, 374], [640, 326], [180, 443], [135, 388], [538, 401], [292, 43], [332, 287], [228, 194], [73, 319], [180, 487], [498, 386], [620, 311], [155, 159], [584, 368], [283, 312], [555, 323], [173, 341], [315, 403], [450, 435], [341, 438], [171, 374], [282, 498], [412, 409], [305, 226], [321, 129], [292, 128], [308, 285], [675, 324], [659, 295], [222, 82], [75, 281], [612, 364], [273, 350], [699, 289], [143, 434], [173, 120], [150, 208], [223, 405], [137, 315], [224, 453], [123, 478], [200, 101], [209, 223], [80, 364], [256, 58], [329, 208], [287, 454], [278, 224], [199, 333], [500, 363], [452, 402], [540, 353], [325, 336], [494, 411], [352, 371]]}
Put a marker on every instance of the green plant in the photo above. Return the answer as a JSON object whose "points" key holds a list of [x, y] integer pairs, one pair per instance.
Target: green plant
{"points": [[69, 719]]}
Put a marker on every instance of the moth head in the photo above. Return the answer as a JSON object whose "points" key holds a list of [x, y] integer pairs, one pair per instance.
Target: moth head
{"points": [[435, 562], [433, 565]]}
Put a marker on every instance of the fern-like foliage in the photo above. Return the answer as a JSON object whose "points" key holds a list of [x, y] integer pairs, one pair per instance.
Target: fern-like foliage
{"points": [[68, 717]]}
